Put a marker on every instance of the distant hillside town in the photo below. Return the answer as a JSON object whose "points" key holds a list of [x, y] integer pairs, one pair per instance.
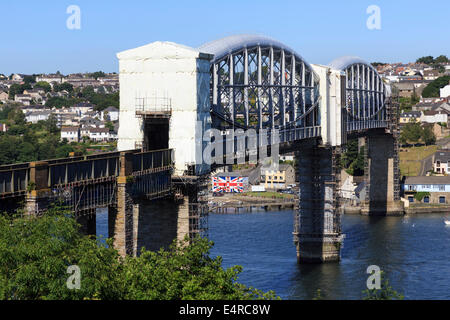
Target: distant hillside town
{"points": [[83, 105], [412, 79]]}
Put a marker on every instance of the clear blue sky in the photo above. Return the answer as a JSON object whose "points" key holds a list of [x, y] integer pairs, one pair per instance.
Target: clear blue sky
{"points": [[35, 38]]}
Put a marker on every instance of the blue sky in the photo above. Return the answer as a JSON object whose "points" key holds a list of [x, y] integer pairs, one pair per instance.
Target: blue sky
{"points": [[35, 38]]}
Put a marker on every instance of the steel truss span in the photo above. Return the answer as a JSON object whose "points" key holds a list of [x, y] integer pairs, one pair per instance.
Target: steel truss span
{"points": [[366, 94], [258, 82]]}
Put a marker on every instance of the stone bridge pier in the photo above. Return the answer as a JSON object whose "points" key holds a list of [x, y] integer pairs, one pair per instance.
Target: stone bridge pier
{"points": [[382, 176], [317, 225], [138, 223]]}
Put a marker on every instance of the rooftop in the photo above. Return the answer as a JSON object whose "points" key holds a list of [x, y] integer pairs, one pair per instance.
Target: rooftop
{"points": [[442, 155], [428, 180]]}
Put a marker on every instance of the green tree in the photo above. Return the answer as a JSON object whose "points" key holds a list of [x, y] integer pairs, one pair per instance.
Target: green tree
{"points": [[8, 150], [353, 158], [35, 254], [29, 79], [43, 85], [98, 74], [16, 116], [426, 60], [411, 132], [63, 151], [27, 152], [109, 125], [59, 102], [384, 293], [18, 89], [63, 86], [441, 59], [4, 111], [432, 89], [428, 136]]}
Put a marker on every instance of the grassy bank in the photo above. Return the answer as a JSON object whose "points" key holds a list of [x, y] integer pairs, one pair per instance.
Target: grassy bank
{"points": [[411, 159], [272, 195]]}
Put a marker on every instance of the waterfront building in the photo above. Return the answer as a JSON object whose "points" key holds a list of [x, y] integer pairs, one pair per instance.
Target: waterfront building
{"points": [[432, 189], [278, 179]]}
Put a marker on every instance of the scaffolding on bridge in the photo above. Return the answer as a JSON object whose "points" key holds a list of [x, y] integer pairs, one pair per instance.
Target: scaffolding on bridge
{"points": [[394, 127], [153, 107], [321, 224]]}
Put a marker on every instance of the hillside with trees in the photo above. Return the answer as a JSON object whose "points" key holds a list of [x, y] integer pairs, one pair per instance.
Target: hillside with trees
{"points": [[35, 253], [433, 88]]}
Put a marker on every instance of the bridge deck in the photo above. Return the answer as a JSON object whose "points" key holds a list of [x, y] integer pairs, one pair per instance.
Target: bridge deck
{"points": [[82, 181]]}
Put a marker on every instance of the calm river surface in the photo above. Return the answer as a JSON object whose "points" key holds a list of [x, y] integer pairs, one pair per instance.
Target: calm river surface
{"points": [[413, 251]]}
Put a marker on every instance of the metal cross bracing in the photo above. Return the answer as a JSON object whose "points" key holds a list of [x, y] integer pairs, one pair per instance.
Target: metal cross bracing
{"points": [[87, 182], [79, 197], [259, 83], [265, 87], [366, 97]]}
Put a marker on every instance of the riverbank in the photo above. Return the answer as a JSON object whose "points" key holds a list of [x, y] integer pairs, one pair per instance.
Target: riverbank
{"points": [[425, 209], [262, 244], [251, 202], [428, 209]]}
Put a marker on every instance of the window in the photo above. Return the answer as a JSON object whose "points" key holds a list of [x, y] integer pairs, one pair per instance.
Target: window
{"points": [[438, 163], [411, 199], [426, 199], [441, 199]]}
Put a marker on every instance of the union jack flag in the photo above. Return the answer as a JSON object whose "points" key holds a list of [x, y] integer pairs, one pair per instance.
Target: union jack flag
{"points": [[228, 184]]}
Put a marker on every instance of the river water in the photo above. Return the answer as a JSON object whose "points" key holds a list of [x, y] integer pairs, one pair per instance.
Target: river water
{"points": [[413, 251]]}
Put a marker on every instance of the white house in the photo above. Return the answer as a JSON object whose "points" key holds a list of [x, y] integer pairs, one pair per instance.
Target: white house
{"points": [[50, 78], [25, 99], [70, 133], [3, 96], [348, 189], [36, 94], [82, 108], [110, 113], [99, 134], [445, 91], [431, 116], [36, 116], [17, 77]]}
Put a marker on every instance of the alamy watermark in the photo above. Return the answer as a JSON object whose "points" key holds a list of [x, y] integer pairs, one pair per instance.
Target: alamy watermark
{"points": [[73, 22], [237, 146], [74, 280], [374, 20], [374, 280]]}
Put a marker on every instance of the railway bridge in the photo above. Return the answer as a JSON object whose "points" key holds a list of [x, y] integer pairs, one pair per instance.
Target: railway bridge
{"points": [[249, 98], [185, 112]]}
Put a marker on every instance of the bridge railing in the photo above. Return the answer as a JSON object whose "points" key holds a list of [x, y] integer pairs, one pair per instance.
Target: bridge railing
{"points": [[366, 124], [17, 179], [144, 161], [72, 170], [14, 178], [292, 134]]}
